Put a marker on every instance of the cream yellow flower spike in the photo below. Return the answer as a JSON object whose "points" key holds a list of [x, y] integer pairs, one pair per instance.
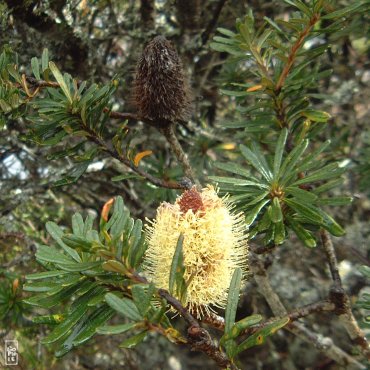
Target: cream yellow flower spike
{"points": [[215, 243]]}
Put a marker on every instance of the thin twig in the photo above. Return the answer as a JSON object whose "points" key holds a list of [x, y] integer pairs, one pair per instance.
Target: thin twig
{"points": [[324, 345], [294, 50], [211, 25], [341, 300], [176, 304], [169, 132], [154, 180]]}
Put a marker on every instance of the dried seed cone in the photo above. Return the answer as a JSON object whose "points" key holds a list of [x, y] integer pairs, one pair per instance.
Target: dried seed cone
{"points": [[160, 88], [214, 245]]}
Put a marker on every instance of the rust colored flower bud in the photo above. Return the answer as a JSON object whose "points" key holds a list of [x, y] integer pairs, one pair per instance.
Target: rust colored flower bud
{"points": [[161, 92], [191, 199]]}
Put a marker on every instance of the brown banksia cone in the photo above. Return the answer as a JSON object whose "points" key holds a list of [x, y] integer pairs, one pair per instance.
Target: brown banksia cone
{"points": [[161, 92]]}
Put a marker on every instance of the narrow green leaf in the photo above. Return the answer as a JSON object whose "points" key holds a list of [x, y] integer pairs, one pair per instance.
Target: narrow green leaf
{"points": [[276, 214], [310, 212], [95, 320], [77, 224], [279, 232], [233, 299], [45, 275], [335, 201], [51, 254], [124, 306], [301, 194], [256, 162], [279, 150], [240, 326], [56, 233], [259, 337], [316, 115], [304, 235], [176, 263], [253, 213], [226, 32], [344, 11], [77, 242], [133, 341], [59, 77], [330, 224], [64, 327], [325, 173], [142, 298], [290, 161], [35, 68], [115, 329], [237, 182], [45, 60]]}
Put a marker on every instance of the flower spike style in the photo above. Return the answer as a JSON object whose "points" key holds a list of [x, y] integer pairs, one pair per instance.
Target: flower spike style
{"points": [[215, 244]]}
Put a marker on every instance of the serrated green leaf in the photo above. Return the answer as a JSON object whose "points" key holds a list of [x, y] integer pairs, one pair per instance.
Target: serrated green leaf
{"points": [[124, 306]]}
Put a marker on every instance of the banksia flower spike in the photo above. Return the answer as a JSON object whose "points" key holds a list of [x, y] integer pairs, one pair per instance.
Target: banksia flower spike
{"points": [[161, 92], [214, 245]]}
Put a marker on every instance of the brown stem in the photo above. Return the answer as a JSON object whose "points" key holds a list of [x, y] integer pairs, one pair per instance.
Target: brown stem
{"points": [[169, 132], [324, 345], [212, 24], [294, 50], [154, 180], [340, 299]]}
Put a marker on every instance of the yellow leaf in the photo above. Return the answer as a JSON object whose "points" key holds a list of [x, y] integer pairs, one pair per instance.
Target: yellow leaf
{"points": [[228, 146], [254, 88], [140, 156]]}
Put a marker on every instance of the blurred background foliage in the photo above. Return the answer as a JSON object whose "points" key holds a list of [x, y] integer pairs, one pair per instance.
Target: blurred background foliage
{"points": [[100, 41]]}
